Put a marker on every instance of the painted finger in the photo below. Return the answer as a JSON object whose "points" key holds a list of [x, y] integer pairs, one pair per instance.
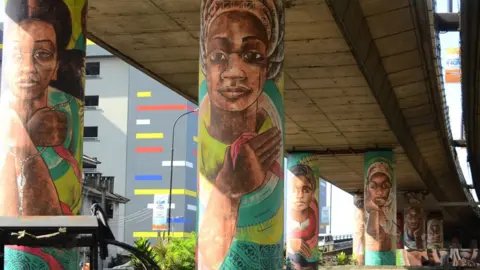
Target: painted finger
{"points": [[270, 145], [263, 138]]}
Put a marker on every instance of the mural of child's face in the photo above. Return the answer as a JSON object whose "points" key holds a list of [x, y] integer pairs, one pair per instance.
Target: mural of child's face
{"points": [[34, 58], [414, 218], [303, 193], [379, 189], [236, 60]]}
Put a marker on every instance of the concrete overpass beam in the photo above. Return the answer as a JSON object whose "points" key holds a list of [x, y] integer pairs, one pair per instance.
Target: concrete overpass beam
{"points": [[380, 209], [42, 108], [241, 127]]}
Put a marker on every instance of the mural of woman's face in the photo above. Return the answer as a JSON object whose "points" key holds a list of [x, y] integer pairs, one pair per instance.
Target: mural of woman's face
{"points": [[34, 58], [379, 189], [236, 64], [302, 193]]}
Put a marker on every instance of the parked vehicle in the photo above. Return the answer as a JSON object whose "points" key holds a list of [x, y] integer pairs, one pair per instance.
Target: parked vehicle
{"points": [[325, 242]]}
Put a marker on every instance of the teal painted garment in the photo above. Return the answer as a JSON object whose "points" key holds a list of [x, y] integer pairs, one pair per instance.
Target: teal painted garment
{"points": [[250, 256], [24, 260], [380, 258]]}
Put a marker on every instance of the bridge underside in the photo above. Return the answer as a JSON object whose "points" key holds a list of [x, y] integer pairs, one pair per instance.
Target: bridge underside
{"points": [[351, 82]]}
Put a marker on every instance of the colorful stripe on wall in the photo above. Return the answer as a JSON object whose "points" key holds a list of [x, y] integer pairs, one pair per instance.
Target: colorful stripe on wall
{"points": [[167, 107], [143, 122], [164, 192], [149, 135], [144, 94], [156, 234], [148, 177], [177, 163], [158, 149]]}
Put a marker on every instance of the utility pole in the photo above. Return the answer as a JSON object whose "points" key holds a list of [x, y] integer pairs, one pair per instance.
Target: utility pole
{"points": [[169, 218], [330, 212]]}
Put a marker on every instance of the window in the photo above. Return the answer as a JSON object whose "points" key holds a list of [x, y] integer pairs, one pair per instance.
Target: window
{"points": [[109, 211], [90, 132], [93, 69], [91, 101]]}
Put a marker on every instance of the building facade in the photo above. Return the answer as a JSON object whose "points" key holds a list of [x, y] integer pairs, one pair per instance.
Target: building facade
{"points": [[128, 126]]}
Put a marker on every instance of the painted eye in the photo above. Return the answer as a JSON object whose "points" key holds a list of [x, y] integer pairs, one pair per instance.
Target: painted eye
{"points": [[253, 57], [43, 55], [218, 58]]}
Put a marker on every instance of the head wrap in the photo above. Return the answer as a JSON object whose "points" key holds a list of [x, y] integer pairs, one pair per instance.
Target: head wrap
{"points": [[269, 12], [379, 167]]}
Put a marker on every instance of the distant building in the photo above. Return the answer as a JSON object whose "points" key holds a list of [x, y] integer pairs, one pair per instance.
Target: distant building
{"points": [[128, 126], [100, 189]]}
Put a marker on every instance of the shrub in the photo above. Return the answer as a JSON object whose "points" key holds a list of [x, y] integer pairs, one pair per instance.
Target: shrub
{"points": [[342, 258]]}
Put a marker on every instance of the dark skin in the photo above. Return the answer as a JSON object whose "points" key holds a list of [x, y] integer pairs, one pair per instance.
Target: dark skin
{"points": [[378, 190], [236, 72], [31, 122]]}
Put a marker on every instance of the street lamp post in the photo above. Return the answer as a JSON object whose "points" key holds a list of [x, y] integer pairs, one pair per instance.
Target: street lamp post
{"points": [[169, 220]]}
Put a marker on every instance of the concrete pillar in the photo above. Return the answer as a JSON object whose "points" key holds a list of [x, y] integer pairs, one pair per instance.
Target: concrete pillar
{"points": [[400, 243], [414, 222], [241, 127], [380, 208], [42, 119], [359, 229], [435, 230], [302, 211]]}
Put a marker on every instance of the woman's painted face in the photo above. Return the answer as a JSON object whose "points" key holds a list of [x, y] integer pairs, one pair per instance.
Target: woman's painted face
{"points": [[236, 60], [34, 58], [379, 189]]}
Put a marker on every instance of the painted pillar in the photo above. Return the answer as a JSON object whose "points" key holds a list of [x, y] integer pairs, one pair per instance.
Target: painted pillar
{"points": [[435, 230], [414, 222], [380, 208], [42, 119], [359, 230], [302, 211], [400, 253], [241, 131]]}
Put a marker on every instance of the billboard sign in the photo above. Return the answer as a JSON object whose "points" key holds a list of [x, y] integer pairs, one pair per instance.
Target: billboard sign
{"points": [[160, 212]]}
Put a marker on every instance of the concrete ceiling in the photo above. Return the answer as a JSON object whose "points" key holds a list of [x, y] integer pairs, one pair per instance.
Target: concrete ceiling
{"points": [[359, 74]]}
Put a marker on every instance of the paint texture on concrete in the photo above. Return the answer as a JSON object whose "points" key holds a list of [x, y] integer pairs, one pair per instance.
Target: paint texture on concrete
{"points": [[302, 211], [442, 257], [380, 208], [359, 229], [435, 230], [42, 115], [414, 227], [241, 129]]}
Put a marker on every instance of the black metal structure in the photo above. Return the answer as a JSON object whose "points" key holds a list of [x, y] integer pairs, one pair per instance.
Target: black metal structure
{"points": [[66, 232]]}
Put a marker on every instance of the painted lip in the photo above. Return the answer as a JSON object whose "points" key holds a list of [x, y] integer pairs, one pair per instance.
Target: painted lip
{"points": [[234, 92], [26, 83]]}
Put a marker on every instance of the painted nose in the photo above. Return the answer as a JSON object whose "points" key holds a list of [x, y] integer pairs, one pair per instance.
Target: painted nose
{"points": [[234, 70]]}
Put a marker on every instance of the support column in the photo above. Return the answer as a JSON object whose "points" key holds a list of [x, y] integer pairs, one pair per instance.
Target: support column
{"points": [[359, 230], [414, 228], [435, 230], [400, 242], [41, 108], [380, 208], [241, 131], [302, 211]]}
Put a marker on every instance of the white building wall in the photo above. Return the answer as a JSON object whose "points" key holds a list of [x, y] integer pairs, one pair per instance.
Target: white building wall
{"points": [[111, 119]]}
